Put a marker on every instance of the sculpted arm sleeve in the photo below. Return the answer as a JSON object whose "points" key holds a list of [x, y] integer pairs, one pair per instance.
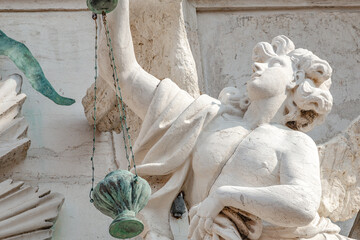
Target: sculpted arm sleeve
{"points": [[137, 85]]}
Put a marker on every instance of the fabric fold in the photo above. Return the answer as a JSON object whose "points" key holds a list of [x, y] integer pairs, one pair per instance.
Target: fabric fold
{"points": [[163, 148]]}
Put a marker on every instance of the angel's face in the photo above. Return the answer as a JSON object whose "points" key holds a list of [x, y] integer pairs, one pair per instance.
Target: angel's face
{"points": [[270, 78]]}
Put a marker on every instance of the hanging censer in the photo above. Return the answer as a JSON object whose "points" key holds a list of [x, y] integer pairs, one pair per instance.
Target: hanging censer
{"points": [[121, 194]]}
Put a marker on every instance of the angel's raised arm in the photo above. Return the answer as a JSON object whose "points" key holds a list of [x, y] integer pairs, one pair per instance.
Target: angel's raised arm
{"points": [[137, 85]]}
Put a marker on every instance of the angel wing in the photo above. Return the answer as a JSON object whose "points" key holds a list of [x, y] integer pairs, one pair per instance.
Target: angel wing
{"points": [[340, 174]]}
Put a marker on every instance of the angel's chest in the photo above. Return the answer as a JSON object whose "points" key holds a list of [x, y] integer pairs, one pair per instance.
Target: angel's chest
{"points": [[216, 144], [254, 163], [235, 155]]}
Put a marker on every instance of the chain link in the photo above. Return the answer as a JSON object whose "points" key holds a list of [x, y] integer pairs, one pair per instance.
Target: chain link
{"points": [[117, 97], [94, 16], [120, 102]]}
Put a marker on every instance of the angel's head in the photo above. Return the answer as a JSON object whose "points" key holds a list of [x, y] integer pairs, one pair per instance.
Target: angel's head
{"points": [[303, 77], [308, 97]]}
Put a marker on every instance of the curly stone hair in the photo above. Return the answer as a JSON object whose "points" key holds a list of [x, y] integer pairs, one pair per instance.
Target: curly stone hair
{"points": [[309, 99]]}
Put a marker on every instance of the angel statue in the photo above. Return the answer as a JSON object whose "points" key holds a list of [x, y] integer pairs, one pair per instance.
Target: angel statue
{"points": [[244, 163]]}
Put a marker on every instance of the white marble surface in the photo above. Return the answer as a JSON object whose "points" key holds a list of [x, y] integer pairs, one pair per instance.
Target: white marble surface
{"points": [[27, 212], [285, 82], [63, 43], [226, 40], [14, 142]]}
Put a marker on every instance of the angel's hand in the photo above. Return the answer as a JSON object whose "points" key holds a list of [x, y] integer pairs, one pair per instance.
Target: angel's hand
{"points": [[202, 217]]}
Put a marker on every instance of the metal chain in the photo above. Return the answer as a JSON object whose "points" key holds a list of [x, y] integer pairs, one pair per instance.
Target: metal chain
{"points": [[94, 16], [120, 102], [117, 99]]}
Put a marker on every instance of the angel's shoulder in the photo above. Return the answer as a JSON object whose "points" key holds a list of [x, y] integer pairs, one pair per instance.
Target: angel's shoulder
{"points": [[288, 139]]}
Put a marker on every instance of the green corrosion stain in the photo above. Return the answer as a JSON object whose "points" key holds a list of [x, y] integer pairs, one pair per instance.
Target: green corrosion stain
{"points": [[27, 63]]}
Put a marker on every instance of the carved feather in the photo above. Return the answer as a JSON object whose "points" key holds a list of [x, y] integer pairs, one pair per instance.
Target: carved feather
{"points": [[340, 174], [27, 212]]}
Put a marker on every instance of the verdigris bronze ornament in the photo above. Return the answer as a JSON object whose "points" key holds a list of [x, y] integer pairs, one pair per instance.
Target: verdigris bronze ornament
{"points": [[121, 195], [100, 6], [27, 63]]}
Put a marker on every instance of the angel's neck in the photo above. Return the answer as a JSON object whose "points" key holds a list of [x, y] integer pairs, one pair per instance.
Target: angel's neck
{"points": [[269, 110]]}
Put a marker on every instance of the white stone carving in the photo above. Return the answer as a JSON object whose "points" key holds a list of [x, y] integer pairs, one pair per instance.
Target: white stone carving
{"points": [[340, 174], [159, 45], [13, 128], [27, 213], [246, 168]]}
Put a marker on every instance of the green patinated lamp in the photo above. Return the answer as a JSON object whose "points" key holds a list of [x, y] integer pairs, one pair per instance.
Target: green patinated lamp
{"points": [[100, 6], [121, 194]]}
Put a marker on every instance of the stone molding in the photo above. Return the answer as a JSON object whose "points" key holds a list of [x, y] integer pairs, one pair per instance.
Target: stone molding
{"points": [[218, 5], [43, 5]]}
